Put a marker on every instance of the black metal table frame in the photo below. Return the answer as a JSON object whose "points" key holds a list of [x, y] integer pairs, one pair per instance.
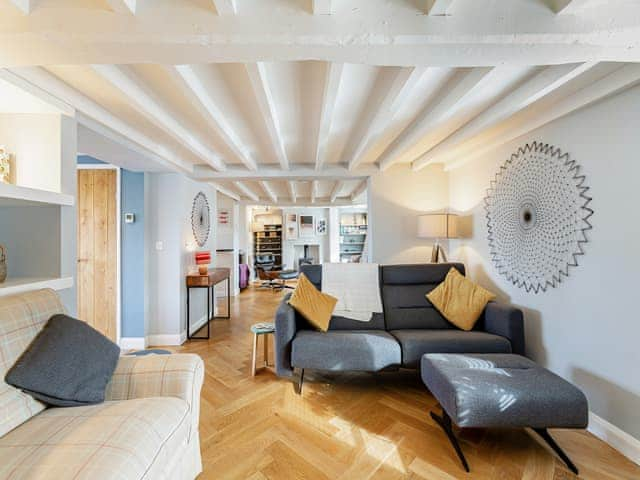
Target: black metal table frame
{"points": [[210, 306]]}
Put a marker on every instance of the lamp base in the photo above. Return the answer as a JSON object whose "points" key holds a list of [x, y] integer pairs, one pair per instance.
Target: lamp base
{"points": [[437, 252], [203, 269]]}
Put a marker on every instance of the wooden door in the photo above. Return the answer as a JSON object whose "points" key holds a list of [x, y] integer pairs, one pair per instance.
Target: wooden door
{"points": [[97, 250]]}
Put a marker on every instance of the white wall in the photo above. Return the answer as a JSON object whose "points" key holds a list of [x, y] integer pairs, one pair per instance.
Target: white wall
{"points": [[169, 212], [396, 198], [587, 329], [289, 257], [35, 142]]}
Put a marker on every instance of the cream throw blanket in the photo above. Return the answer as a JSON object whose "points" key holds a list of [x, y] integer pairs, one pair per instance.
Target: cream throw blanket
{"points": [[356, 287]]}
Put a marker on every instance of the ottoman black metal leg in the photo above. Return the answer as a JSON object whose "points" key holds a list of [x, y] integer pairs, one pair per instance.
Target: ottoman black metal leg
{"points": [[445, 422], [556, 448]]}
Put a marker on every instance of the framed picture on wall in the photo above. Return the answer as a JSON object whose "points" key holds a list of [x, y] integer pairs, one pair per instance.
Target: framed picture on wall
{"points": [[291, 226], [321, 226], [307, 226]]}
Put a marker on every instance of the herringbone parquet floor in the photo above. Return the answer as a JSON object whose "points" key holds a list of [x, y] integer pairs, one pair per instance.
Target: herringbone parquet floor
{"points": [[353, 426]]}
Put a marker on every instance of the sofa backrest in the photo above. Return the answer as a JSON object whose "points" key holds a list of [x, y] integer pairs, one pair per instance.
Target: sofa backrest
{"points": [[22, 317], [403, 295], [314, 274]]}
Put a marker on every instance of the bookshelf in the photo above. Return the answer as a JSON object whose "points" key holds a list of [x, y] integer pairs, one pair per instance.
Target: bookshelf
{"points": [[353, 236], [268, 241]]}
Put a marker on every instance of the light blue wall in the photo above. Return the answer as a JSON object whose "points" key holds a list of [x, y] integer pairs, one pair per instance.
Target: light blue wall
{"points": [[87, 160], [132, 272]]}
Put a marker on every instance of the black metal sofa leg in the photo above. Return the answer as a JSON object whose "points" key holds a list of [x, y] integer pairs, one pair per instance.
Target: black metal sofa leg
{"points": [[445, 423], [544, 434], [299, 383]]}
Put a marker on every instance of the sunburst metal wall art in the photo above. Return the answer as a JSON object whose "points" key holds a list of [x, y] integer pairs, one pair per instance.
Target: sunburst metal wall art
{"points": [[201, 219], [537, 217]]}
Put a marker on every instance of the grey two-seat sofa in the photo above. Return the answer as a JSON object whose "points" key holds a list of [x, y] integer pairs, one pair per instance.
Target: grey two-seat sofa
{"points": [[408, 328]]}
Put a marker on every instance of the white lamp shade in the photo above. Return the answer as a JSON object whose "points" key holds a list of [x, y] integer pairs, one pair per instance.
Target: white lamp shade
{"points": [[438, 225]]}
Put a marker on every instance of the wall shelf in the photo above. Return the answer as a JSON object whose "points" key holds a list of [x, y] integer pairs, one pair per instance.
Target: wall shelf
{"points": [[25, 284], [13, 195]]}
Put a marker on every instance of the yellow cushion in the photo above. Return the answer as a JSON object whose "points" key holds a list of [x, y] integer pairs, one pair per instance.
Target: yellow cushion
{"points": [[459, 300], [316, 307]]}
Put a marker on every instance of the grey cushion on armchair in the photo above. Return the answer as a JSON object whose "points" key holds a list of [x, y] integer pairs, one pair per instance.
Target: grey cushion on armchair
{"points": [[68, 364]]}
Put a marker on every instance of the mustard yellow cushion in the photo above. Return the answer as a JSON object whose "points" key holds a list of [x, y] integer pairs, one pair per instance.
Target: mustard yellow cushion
{"points": [[459, 300], [316, 307]]}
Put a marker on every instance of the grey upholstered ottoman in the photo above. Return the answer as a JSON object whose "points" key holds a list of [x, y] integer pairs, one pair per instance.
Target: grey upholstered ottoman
{"points": [[502, 391]]}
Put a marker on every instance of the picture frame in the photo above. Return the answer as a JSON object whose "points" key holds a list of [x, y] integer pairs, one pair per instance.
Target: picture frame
{"points": [[307, 225], [321, 226], [291, 226]]}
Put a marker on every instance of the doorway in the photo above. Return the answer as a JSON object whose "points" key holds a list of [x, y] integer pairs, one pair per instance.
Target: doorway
{"points": [[98, 249]]}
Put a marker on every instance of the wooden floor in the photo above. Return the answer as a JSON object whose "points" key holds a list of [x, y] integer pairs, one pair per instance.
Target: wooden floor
{"points": [[353, 426]]}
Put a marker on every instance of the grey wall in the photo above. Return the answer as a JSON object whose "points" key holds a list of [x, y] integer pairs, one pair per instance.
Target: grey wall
{"points": [[587, 329]]}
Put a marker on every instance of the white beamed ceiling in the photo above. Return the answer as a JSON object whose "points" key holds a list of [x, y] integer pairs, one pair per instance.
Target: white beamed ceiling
{"points": [[265, 97]]}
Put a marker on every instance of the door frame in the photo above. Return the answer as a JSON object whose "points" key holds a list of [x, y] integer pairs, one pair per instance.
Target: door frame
{"points": [[106, 166]]}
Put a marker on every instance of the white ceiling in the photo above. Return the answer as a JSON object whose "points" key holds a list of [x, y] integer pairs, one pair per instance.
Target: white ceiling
{"points": [[299, 101]]}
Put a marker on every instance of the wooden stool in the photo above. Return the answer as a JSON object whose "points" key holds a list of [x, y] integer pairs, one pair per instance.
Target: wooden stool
{"points": [[258, 329]]}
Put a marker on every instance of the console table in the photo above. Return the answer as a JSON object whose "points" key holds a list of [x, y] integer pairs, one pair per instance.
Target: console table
{"points": [[215, 276]]}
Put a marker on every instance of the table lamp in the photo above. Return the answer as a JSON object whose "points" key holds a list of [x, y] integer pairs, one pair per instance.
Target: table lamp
{"points": [[203, 259], [438, 226]]}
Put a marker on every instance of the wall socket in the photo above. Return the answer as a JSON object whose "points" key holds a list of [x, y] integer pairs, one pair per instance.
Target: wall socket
{"points": [[129, 217], [159, 246]]}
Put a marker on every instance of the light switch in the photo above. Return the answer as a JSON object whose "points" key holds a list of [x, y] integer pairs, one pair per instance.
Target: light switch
{"points": [[159, 246]]}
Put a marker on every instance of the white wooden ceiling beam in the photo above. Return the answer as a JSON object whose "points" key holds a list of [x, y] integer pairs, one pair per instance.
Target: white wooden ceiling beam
{"points": [[150, 108], [25, 6], [225, 7], [546, 81], [438, 7], [332, 80], [508, 36], [303, 201], [292, 190], [42, 79], [269, 191], [246, 191], [359, 190], [314, 191], [123, 6], [258, 77], [337, 188], [451, 95], [616, 81], [296, 172], [322, 7], [225, 191], [405, 81], [574, 7], [218, 118]]}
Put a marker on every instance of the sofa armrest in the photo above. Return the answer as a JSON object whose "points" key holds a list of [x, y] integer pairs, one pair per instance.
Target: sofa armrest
{"points": [[285, 331], [506, 321], [176, 375]]}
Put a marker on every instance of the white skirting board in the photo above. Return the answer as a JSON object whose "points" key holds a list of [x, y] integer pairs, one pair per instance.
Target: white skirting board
{"points": [[612, 435], [175, 339], [133, 343]]}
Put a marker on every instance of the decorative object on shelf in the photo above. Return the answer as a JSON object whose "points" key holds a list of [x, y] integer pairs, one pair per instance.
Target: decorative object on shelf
{"points": [[5, 165], [201, 219], [291, 224], [321, 226], [203, 259], [438, 226], [224, 217], [3, 263], [537, 217], [307, 226]]}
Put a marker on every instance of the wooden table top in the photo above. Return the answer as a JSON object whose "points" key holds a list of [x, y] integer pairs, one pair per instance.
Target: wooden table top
{"points": [[216, 275]]}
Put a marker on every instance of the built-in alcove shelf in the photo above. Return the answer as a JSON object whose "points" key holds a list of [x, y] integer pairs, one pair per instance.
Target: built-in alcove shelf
{"points": [[13, 195], [24, 284]]}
